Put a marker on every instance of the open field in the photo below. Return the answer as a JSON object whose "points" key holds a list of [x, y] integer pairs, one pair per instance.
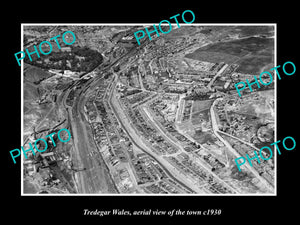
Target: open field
{"points": [[254, 30], [241, 47], [254, 64], [200, 112], [34, 74], [251, 54], [241, 31], [210, 56], [201, 105], [199, 117], [31, 92]]}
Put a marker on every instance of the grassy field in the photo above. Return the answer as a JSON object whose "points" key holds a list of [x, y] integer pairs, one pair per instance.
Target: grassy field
{"points": [[35, 74], [31, 92], [199, 117], [201, 105], [251, 54], [29, 188], [240, 47], [210, 56], [254, 64], [254, 30]]}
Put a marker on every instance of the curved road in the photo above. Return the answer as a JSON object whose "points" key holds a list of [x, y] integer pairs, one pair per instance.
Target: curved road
{"points": [[142, 148]]}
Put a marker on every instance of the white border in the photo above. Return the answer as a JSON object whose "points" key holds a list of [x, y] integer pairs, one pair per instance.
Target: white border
{"points": [[142, 24]]}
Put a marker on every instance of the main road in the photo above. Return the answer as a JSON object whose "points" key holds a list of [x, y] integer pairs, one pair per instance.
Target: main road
{"points": [[136, 139], [179, 146]]}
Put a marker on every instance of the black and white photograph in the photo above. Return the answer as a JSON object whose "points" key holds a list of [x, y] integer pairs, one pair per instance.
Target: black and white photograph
{"points": [[162, 117], [149, 113]]}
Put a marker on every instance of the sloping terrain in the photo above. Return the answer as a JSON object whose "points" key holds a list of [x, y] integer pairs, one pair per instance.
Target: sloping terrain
{"points": [[34, 74], [251, 47], [251, 54]]}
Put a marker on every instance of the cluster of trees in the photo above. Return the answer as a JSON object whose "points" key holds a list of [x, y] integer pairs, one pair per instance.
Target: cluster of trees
{"points": [[198, 96], [79, 59]]}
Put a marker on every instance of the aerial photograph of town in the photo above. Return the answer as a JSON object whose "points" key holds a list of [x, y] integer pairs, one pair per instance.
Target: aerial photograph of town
{"points": [[162, 117]]}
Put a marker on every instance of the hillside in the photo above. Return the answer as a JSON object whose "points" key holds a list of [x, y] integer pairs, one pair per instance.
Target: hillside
{"points": [[251, 54], [34, 74]]}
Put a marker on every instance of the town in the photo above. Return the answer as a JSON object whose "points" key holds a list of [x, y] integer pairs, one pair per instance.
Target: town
{"points": [[159, 117]]}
